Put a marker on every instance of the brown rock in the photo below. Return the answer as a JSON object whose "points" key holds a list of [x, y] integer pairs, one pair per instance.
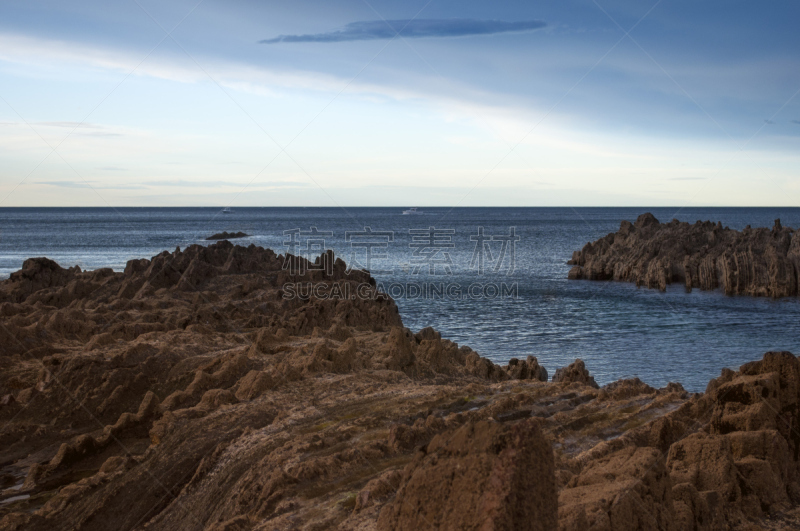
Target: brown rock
{"points": [[627, 490], [706, 462], [696, 510], [284, 412], [481, 476], [575, 372], [759, 262], [622, 389], [526, 370]]}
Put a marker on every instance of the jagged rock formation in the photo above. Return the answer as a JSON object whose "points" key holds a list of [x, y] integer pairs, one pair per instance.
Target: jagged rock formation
{"points": [[719, 460], [759, 262], [526, 370], [575, 372], [480, 476], [227, 235], [198, 391], [144, 373]]}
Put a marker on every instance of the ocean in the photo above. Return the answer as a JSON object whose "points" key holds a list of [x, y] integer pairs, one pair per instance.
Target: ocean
{"points": [[491, 278]]}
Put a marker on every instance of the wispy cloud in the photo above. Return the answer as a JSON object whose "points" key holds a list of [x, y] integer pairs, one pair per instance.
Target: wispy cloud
{"points": [[70, 125], [387, 29], [194, 184], [86, 129], [65, 184], [795, 122], [90, 184], [171, 184]]}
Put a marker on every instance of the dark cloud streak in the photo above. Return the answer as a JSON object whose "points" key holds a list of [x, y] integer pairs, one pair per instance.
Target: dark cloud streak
{"points": [[387, 29]]}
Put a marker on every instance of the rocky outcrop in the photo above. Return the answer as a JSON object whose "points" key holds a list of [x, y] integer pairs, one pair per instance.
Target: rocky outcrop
{"points": [[719, 461], [158, 370], [480, 476], [224, 235], [227, 387], [575, 372], [626, 490], [758, 262], [526, 370]]}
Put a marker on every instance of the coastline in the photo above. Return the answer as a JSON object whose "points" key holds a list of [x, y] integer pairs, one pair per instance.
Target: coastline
{"points": [[618, 330], [187, 391]]}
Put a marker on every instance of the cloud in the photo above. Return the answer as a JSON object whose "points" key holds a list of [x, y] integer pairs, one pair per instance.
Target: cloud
{"points": [[387, 29], [93, 185], [65, 184], [171, 183], [795, 122], [213, 184], [81, 128], [70, 125], [769, 122]]}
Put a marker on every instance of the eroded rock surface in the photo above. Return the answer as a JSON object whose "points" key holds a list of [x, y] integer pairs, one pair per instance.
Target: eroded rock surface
{"points": [[197, 390], [575, 372], [483, 475], [759, 262], [724, 459]]}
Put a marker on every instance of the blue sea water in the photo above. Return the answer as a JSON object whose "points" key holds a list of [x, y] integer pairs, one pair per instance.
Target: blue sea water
{"points": [[509, 311]]}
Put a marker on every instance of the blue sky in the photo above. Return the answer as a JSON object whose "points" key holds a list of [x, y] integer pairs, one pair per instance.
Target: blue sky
{"points": [[399, 103]]}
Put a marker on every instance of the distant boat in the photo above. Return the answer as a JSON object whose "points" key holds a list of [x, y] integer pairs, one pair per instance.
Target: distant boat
{"points": [[411, 211], [227, 210]]}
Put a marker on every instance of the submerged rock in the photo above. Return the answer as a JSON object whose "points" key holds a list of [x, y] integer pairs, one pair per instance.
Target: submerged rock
{"points": [[227, 235]]}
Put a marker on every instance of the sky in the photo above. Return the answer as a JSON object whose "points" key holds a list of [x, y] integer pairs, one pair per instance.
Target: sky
{"points": [[388, 103]]}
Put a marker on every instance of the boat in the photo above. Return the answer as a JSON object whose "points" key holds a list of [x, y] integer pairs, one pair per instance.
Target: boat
{"points": [[227, 210], [412, 211]]}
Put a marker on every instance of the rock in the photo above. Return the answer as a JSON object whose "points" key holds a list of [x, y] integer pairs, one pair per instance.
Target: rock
{"points": [[427, 333], [706, 462], [575, 372], [378, 489], [758, 262], [696, 510], [626, 490], [526, 370], [622, 389], [480, 476], [226, 236], [484, 368], [284, 412]]}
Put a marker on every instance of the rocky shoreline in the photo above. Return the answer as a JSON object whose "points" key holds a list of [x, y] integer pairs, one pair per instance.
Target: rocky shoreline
{"points": [[759, 262], [190, 392]]}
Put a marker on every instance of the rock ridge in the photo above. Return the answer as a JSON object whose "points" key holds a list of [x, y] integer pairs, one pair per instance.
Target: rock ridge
{"points": [[758, 262]]}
